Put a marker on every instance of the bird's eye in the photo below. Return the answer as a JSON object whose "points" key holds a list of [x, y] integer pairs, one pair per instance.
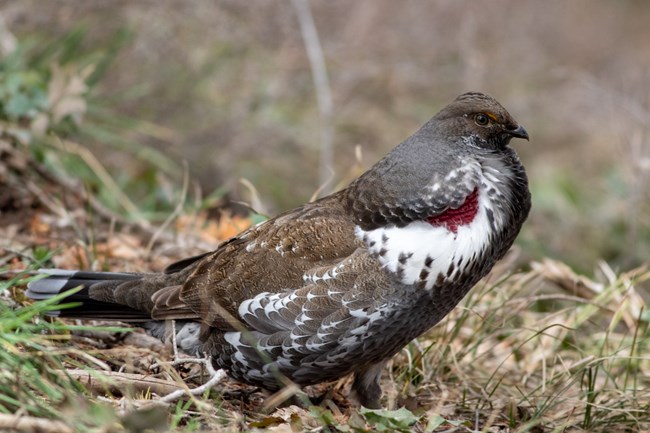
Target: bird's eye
{"points": [[482, 119]]}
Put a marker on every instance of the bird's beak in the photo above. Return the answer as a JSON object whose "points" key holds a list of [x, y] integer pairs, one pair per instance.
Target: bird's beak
{"points": [[518, 132]]}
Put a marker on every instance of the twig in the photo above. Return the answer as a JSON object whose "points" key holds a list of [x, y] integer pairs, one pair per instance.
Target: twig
{"points": [[216, 376], [322, 85], [54, 206], [178, 362], [284, 394], [177, 210], [112, 381], [32, 424], [256, 203], [323, 186], [72, 187], [104, 176], [174, 346]]}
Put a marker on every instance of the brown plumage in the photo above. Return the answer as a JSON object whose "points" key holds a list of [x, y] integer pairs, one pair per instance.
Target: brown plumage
{"points": [[340, 285]]}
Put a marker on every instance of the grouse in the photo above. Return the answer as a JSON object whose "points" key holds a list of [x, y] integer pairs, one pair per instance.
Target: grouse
{"points": [[339, 285]]}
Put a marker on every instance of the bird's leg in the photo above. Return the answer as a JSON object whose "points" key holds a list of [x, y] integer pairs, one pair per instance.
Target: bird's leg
{"points": [[366, 385]]}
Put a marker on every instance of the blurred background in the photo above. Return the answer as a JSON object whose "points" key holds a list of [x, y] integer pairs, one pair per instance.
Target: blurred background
{"points": [[228, 86]]}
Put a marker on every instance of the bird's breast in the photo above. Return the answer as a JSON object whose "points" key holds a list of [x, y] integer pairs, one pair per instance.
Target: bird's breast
{"points": [[437, 250], [454, 218]]}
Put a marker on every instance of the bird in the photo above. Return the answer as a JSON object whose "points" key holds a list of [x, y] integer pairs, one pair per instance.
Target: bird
{"points": [[339, 285]]}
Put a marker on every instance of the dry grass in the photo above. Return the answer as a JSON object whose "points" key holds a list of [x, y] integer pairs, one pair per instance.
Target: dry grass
{"points": [[539, 350], [533, 350]]}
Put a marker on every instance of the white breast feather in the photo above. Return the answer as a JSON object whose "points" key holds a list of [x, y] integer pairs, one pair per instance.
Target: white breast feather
{"points": [[420, 241]]}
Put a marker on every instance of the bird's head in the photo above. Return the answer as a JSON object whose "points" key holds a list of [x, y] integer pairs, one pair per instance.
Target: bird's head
{"points": [[478, 120]]}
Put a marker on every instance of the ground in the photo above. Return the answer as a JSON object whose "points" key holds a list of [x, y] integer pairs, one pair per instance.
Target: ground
{"points": [[534, 347]]}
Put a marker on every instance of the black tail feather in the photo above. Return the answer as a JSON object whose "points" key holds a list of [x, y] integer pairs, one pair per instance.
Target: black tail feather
{"points": [[59, 281]]}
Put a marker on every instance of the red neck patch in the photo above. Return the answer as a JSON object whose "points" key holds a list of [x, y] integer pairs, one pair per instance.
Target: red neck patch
{"points": [[453, 218]]}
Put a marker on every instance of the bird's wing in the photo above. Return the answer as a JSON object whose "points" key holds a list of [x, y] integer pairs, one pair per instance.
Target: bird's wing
{"points": [[412, 196], [342, 316], [271, 257]]}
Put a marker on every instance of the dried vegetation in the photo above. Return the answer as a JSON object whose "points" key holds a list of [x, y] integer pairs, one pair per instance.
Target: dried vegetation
{"points": [[556, 339]]}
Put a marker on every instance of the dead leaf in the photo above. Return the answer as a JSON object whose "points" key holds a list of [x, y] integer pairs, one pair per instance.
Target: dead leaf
{"points": [[210, 230], [39, 226], [66, 92]]}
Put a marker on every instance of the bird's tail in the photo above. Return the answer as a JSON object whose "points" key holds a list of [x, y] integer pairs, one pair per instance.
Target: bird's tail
{"points": [[59, 281]]}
